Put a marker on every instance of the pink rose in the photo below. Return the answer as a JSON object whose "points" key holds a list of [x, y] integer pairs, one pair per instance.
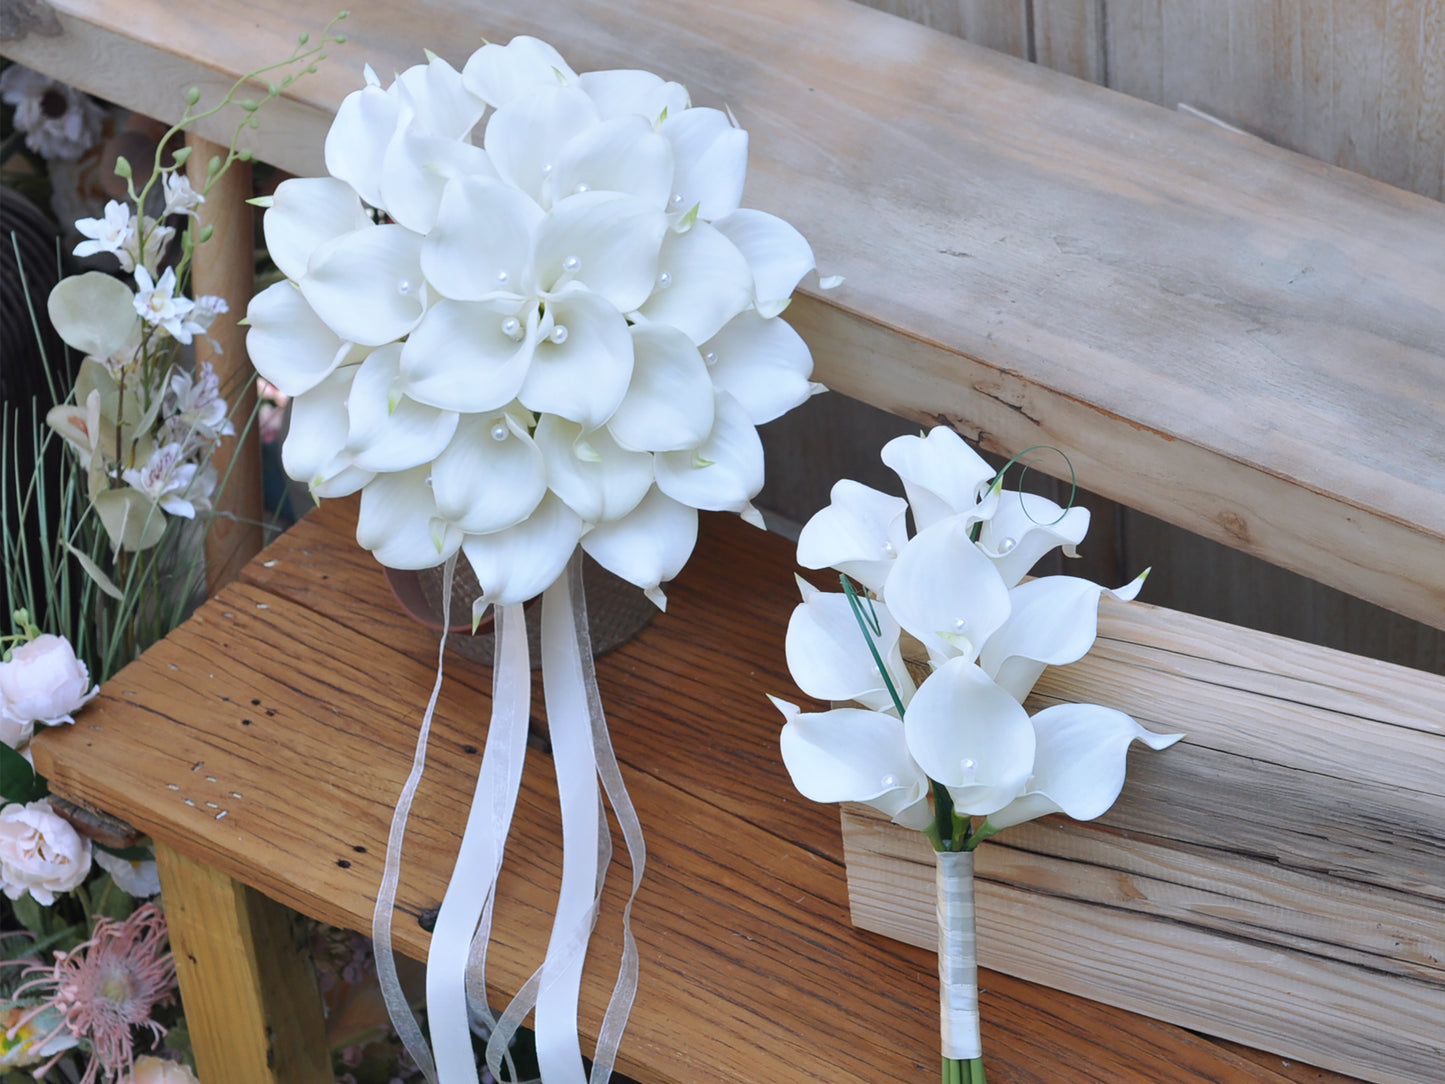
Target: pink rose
{"points": [[149, 1070], [44, 682], [40, 853]]}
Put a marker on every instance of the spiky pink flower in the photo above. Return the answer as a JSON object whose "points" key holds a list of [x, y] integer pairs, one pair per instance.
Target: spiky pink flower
{"points": [[106, 988]]}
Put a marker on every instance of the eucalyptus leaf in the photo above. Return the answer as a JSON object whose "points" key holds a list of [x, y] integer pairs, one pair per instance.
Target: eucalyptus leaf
{"points": [[132, 519], [96, 573]]}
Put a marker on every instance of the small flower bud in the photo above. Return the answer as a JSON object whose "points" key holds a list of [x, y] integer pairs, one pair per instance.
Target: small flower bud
{"points": [[193, 95], [250, 105], [122, 167], [214, 166], [304, 38], [206, 234], [340, 39], [181, 156]]}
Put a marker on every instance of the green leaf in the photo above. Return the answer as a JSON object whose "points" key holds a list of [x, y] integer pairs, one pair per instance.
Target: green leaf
{"points": [[141, 852], [19, 782], [30, 914], [96, 573]]}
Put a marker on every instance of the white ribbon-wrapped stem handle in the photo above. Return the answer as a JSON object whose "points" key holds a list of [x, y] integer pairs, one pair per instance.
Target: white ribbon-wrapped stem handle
{"points": [[957, 957]]}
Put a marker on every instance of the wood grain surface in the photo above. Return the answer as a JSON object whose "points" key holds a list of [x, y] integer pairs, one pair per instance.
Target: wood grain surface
{"points": [[1227, 335], [289, 704], [1275, 878]]}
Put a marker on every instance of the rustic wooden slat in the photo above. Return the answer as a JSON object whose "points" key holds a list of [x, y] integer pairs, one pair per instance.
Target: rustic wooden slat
{"points": [[1069, 37], [1275, 878], [299, 728], [252, 1009], [1178, 308]]}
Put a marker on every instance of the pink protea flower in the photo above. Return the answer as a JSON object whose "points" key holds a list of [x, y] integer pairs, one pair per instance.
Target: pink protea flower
{"points": [[106, 988]]}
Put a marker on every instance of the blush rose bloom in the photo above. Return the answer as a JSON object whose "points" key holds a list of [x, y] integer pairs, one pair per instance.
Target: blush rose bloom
{"points": [[40, 853], [44, 682], [149, 1070]]}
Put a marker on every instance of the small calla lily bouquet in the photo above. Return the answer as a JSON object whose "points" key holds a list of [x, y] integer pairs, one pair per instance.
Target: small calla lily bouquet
{"points": [[526, 315], [954, 755]]}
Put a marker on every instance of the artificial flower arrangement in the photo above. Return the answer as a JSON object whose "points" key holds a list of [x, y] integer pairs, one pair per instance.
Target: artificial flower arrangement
{"points": [[953, 755], [102, 557], [558, 337]]}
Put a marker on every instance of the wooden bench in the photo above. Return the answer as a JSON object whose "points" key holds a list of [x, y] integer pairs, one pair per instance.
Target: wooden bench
{"points": [[1229, 336]]}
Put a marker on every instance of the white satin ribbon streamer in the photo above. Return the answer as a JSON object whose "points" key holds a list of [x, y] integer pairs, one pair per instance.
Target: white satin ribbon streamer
{"points": [[456, 963], [402, 1018], [472, 888], [957, 956]]}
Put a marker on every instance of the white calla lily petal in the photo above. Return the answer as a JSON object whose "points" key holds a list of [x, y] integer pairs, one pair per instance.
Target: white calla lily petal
{"points": [[398, 522], [648, 546], [582, 363], [342, 481], [438, 100], [709, 283], [971, 736], [828, 654], [94, 313], [607, 241], [460, 357], [621, 92], [357, 139], [317, 435], [669, 404], [764, 364], [415, 171], [596, 477], [290, 346], [941, 474], [619, 155], [491, 476], [725, 472], [777, 254], [305, 213], [523, 561], [1026, 526], [712, 161], [525, 137], [498, 74], [367, 285], [1052, 622], [388, 431], [1080, 762], [849, 755], [860, 532], [945, 592], [482, 244]]}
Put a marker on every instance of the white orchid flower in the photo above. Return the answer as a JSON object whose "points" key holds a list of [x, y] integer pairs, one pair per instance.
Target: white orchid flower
{"points": [[165, 478], [107, 234], [197, 403], [850, 755], [181, 198], [158, 304], [1079, 764], [157, 239]]}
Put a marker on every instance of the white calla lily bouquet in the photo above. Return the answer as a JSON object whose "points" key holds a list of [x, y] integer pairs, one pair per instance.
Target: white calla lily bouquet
{"points": [[526, 314], [954, 755]]}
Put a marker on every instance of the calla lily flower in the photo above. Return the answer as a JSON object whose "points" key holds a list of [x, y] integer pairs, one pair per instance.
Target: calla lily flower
{"points": [[941, 474], [848, 755], [860, 533], [830, 659], [1025, 527], [1079, 767], [648, 546]]}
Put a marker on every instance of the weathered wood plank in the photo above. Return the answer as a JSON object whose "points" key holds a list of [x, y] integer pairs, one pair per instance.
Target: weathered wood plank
{"points": [[1069, 37], [1181, 308], [252, 1008]]}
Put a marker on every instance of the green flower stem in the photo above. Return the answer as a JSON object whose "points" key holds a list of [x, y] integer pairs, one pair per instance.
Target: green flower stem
{"points": [[975, 1071]]}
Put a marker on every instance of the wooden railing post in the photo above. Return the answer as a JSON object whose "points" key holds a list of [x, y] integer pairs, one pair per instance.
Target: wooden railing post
{"points": [[225, 266]]}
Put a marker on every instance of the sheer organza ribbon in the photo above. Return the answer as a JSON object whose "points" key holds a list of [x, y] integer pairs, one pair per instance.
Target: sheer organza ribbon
{"points": [[957, 956], [456, 963]]}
